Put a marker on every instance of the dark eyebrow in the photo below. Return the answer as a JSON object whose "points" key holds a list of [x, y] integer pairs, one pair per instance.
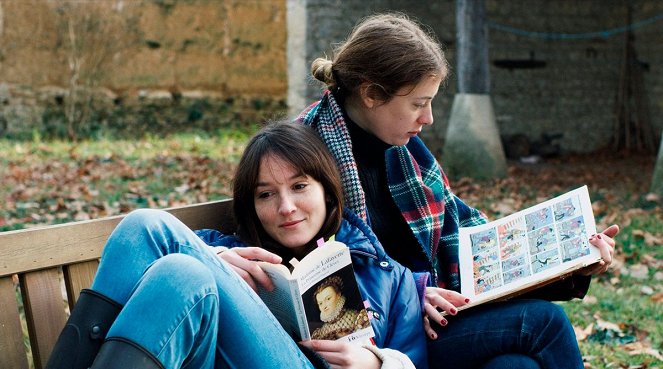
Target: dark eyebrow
{"points": [[295, 176]]}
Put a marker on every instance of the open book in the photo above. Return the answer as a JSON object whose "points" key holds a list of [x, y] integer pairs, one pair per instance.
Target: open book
{"points": [[528, 249], [320, 299]]}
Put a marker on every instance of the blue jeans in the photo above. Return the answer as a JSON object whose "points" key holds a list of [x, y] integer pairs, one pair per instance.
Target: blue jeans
{"points": [[184, 305], [513, 334]]}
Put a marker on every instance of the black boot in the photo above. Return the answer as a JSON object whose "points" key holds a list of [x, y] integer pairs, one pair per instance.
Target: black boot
{"points": [[85, 331], [118, 353]]}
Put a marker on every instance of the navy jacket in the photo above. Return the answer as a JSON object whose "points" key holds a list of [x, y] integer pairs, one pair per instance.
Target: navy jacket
{"points": [[388, 286]]}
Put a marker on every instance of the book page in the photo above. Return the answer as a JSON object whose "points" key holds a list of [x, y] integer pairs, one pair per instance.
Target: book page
{"points": [[527, 248], [281, 302]]}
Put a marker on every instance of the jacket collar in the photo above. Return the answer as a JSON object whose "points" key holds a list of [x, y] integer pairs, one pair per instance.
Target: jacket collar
{"points": [[358, 236]]}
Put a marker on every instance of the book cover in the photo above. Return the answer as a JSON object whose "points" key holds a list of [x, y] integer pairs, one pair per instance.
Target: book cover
{"points": [[528, 249], [320, 298]]}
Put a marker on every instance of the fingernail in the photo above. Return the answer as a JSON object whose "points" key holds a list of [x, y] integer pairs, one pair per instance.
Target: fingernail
{"points": [[467, 300], [453, 311], [433, 336], [598, 236], [443, 322]]}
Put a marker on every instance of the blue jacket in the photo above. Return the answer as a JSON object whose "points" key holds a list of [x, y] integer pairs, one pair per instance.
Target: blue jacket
{"points": [[388, 286]]}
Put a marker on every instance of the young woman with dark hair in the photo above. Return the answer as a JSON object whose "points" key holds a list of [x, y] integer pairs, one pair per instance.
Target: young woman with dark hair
{"points": [[166, 297]]}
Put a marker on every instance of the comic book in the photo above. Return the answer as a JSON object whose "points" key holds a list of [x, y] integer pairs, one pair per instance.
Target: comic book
{"points": [[319, 298], [528, 249]]}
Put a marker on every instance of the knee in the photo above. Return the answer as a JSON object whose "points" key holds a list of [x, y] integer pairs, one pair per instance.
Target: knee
{"points": [[182, 272], [142, 225], [144, 218], [546, 315]]}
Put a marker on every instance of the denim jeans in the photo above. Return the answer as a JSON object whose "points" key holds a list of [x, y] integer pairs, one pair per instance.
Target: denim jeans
{"points": [[184, 305], [514, 334]]}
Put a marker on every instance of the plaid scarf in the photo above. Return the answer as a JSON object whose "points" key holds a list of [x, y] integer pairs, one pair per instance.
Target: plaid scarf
{"points": [[417, 185]]}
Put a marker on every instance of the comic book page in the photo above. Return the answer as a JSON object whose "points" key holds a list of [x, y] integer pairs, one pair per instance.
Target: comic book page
{"points": [[529, 248]]}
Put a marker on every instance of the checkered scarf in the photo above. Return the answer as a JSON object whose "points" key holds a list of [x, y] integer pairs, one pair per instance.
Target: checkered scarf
{"points": [[416, 182]]}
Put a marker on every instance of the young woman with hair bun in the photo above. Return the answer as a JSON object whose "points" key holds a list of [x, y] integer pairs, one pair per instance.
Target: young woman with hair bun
{"points": [[380, 86]]}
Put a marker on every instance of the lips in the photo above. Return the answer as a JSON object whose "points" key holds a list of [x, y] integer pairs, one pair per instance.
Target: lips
{"points": [[290, 224]]}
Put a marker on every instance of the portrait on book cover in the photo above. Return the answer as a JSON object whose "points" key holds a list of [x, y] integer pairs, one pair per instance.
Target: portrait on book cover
{"points": [[334, 306]]}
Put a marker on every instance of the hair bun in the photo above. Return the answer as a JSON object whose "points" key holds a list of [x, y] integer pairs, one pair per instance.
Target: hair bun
{"points": [[321, 69]]}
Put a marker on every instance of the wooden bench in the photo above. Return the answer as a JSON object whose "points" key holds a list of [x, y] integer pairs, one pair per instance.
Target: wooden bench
{"points": [[39, 256]]}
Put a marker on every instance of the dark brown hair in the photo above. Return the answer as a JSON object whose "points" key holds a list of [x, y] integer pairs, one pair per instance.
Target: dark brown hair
{"points": [[389, 51], [301, 147]]}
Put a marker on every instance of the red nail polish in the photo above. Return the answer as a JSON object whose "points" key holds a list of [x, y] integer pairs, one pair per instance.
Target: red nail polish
{"points": [[467, 300], [453, 311], [443, 322], [598, 236]]}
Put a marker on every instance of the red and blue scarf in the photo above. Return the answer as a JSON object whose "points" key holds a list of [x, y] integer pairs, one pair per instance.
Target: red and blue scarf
{"points": [[417, 184]]}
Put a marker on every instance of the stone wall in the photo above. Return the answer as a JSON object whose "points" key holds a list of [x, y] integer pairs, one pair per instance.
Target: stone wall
{"points": [[539, 84], [186, 62], [124, 53]]}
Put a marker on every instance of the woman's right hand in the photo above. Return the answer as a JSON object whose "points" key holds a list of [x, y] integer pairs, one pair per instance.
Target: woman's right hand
{"points": [[344, 355], [244, 260], [437, 300]]}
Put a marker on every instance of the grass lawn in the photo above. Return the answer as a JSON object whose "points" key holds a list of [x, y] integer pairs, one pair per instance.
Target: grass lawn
{"points": [[619, 324]]}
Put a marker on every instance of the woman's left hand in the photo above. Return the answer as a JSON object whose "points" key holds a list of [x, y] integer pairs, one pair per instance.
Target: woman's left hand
{"points": [[605, 242], [344, 354]]}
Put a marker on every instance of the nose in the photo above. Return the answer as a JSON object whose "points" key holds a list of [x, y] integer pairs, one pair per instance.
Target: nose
{"points": [[426, 117], [286, 205]]}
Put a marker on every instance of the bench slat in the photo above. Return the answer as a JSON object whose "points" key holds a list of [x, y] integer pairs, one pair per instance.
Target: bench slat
{"points": [[44, 311], [78, 276], [213, 215], [57, 245], [52, 246], [11, 335]]}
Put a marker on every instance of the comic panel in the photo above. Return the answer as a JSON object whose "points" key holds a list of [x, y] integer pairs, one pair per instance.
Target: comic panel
{"points": [[482, 241], [485, 258], [513, 231], [566, 209], [486, 264], [512, 238], [515, 274], [545, 260], [541, 240], [539, 218], [571, 228], [514, 262], [575, 248], [485, 284], [513, 249]]}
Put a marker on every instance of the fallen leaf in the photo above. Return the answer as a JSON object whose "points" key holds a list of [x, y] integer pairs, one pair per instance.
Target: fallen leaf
{"points": [[658, 276], [646, 290], [589, 300], [639, 271], [652, 197], [642, 348], [583, 333]]}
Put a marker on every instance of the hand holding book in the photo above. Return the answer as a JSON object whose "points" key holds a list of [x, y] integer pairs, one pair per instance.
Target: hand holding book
{"points": [[524, 251]]}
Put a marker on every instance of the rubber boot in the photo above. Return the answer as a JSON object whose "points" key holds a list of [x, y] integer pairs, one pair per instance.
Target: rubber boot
{"points": [[85, 331], [118, 353]]}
